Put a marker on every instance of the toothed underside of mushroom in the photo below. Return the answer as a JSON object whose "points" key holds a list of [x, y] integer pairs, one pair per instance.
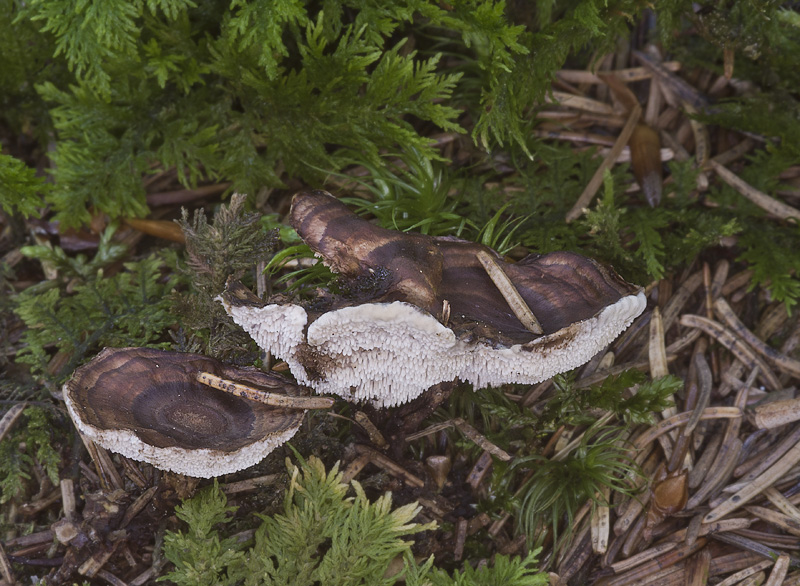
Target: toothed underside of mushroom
{"points": [[390, 353], [147, 405], [199, 463]]}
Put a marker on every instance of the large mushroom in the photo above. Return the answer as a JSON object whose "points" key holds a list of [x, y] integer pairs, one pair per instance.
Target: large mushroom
{"points": [[434, 309], [150, 405]]}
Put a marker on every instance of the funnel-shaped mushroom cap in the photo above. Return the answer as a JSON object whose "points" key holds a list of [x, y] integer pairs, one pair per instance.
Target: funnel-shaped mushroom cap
{"points": [[435, 314], [146, 404]]}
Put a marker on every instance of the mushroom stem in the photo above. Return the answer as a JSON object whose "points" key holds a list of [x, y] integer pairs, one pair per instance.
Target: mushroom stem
{"points": [[261, 396], [510, 293]]}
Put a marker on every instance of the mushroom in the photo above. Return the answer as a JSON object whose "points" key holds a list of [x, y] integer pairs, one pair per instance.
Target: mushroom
{"points": [[436, 309], [149, 405]]}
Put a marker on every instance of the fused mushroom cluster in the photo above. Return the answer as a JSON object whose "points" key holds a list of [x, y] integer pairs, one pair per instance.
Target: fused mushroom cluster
{"points": [[434, 313], [147, 404]]}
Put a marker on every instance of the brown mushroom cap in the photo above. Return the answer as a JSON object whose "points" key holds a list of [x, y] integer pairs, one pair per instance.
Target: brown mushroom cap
{"points": [[402, 339], [146, 404], [560, 288]]}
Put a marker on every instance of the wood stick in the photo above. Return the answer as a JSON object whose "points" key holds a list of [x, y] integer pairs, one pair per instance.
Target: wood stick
{"points": [[10, 418], [719, 473], [747, 544], [375, 436], [733, 343], [771, 539], [703, 465], [5, 568], [662, 562], [354, 467], [481, 440], [774, 453], [510, 293], [681, 419], [597, 179], [753, 489], [779, 520], [627, 75], [736, 524], [742, 574], [671, 82], [779, 571], [733, 562], [729, 450], [761, 199], [704, 384], [775, 414], [697, 569], [261, 396], [390, 466], [782, 503], [783, 362], [600, 524], [579, 103], [644, 556], [701, 140]]}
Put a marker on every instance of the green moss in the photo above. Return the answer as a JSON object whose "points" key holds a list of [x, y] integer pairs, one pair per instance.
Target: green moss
{"points": [[85, 310], [230, 246], [328, 533], [34, 432]]}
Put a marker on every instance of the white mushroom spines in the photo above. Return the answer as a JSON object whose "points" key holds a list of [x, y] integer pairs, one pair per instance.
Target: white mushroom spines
{"points": [[278, 329], [557, 352], [390, 353], [200, 462], [367, 326], [385, 352]]}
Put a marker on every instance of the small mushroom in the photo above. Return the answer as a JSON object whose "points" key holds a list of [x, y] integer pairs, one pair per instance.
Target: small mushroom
{"points": [[148, 405], [438, 309]]}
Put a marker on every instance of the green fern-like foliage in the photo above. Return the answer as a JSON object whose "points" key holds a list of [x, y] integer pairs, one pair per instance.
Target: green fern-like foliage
{"points": [[747, 26], [771, 253], [232, 243], [35, 433], [28, 59], [323, 536], [215, 91], [411, 193], [20, 188], [769, 248], [570, 404], [201, 555], [554, 489], [630, 396], [641, 242], [130, 308], [328, 533], [505, 572], [237, 90]]}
